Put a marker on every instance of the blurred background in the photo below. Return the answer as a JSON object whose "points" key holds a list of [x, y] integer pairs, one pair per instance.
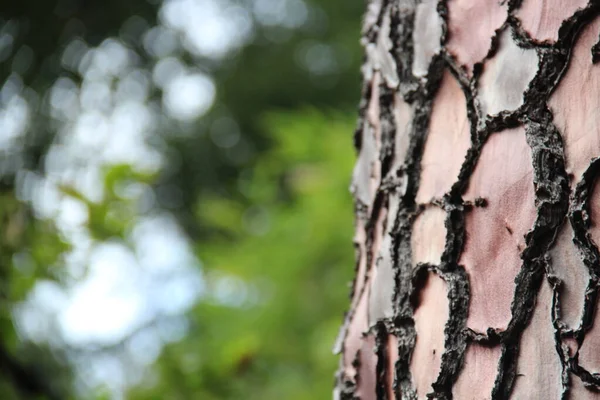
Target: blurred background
{"points": [[175, 221]]}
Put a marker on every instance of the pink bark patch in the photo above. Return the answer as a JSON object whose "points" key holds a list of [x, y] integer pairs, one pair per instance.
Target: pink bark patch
{"points": [[367, 371], [575, 104], [382, 276], [378, 235], [428, 236], [589, 356], [568, 267], [539, 368], [471, 26], [578, 391], [495, 234], [448, 140], [360, 237], [366, 174], [354, 337], [476, 380], [542, 19], [572, 346], [391, 366], [430, 320], [403, 115], [360, 281]]}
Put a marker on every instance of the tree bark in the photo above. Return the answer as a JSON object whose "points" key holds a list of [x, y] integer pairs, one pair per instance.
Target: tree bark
{"points": [[477, 214]]}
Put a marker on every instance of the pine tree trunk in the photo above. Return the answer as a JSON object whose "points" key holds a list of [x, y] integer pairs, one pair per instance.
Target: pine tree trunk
{"points": [[477, 218]]}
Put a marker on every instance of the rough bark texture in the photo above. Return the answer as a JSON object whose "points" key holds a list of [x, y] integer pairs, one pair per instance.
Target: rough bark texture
{"points": [[478, 213]]}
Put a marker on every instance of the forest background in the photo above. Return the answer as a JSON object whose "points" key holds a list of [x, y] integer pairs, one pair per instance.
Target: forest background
{"points": [[174, 206]]}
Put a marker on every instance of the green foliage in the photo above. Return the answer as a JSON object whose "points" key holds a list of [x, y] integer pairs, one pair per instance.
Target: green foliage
{"points": [[270, 218], [31, 251], [112, 216], [267, 320]]}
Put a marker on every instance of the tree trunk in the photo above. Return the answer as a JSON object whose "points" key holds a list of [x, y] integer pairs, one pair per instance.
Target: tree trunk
{"points": [[477, 218]]}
